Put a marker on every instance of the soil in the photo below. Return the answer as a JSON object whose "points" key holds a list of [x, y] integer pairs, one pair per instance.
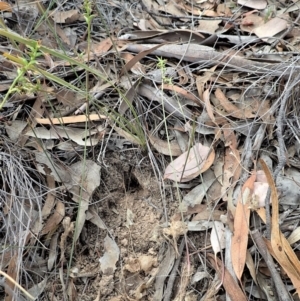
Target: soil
{"points": [[129, 203]]}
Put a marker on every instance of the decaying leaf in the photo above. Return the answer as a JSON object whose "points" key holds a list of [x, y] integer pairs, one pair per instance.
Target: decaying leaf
{"points": [[230, 108], [217, 237], [53, 251], [241, 228], [12, 271], [190, 164], [279, 247], [36, 290], [165, 148], [197, 194], [111, 256], [271, 28], [81, 137], [85, 179], [55, 219], [256, 4], [230, 285], [65, 17]]}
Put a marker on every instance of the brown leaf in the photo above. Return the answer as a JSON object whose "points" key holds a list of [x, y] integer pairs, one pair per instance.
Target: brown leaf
{"points": [[55, 219], [165, 148], [70, 119], [241, 228], [4, 6], [250, 22], [285, 255], [13, 273], [231, 287], [137, 68], [137, 58], [183, 92], [208, 105], [231, 108]]}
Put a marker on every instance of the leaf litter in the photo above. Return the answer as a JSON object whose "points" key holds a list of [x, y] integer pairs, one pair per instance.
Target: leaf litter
{"points": [[159, 163]]}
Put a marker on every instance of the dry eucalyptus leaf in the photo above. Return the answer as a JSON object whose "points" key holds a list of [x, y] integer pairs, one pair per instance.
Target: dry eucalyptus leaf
{"points": [[111, 256], [53, 251], [59, 171], [79, 136], [255, 4], [217, 237], [190, 164], [271, 28], [15, 128], [85, 179], [196, 195], [165, 148], [93, 217], [65, 17], [54, 220], [199, 225], [38, 288]]}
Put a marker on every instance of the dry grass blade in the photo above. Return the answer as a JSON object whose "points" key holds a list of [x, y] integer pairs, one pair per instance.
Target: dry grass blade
{"points": [[17, 285]]}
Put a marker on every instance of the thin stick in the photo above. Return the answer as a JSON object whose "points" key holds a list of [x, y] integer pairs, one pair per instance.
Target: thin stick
{"points": [[169, 289]]}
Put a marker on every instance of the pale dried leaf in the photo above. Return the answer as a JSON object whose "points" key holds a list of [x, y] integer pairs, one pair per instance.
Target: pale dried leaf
{"points": [[208, 105], [15, 128], [199, 225], [93, 217], [79, 136], [294, 236], [65, 17], [209, 26], [260, 193], [271, 28], [196, 195], [59, 171], [165, 268], [111, 256], [199, 276], [129, 218], [217, 237], [190, 164], [130, 137], [38, 288], [85, 179], [255, 4]]}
